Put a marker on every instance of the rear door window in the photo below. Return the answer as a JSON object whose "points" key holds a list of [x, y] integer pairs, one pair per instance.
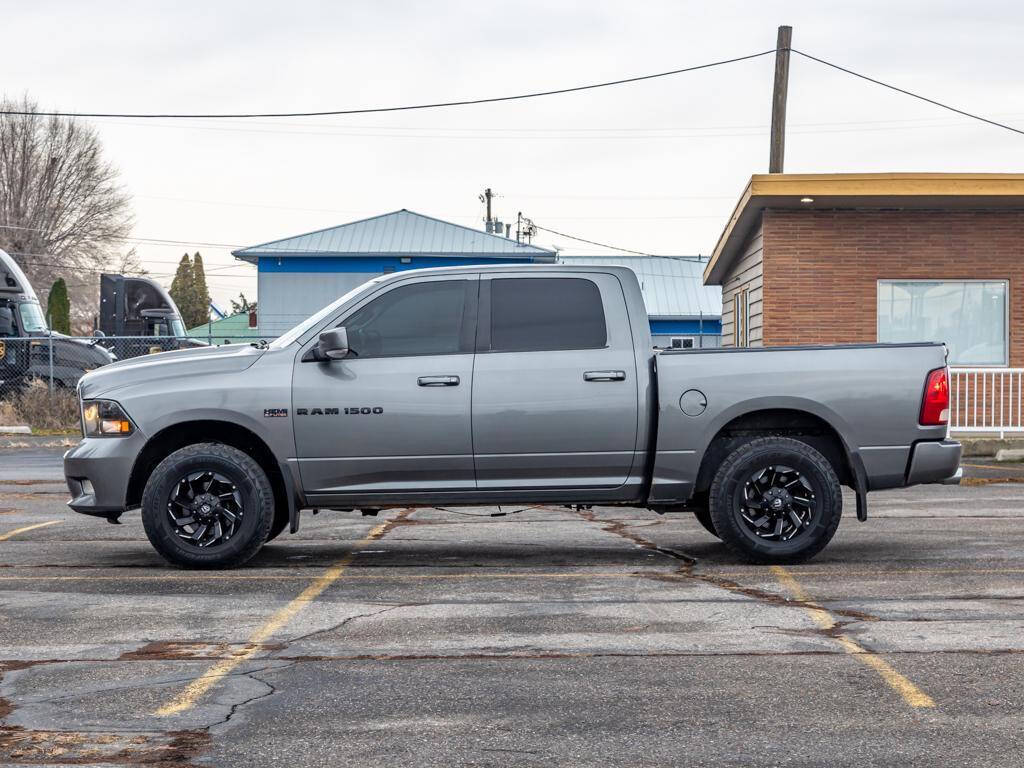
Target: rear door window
{"points": [[543, 314]]}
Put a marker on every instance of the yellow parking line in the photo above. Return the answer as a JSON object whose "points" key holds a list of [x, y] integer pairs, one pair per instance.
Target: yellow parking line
{"points": [[911, 694], [16, 531], [194, 690]]}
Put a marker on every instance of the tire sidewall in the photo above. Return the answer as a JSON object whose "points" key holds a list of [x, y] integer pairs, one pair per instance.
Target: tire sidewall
{"points": [[736, 470], [249, 479]]}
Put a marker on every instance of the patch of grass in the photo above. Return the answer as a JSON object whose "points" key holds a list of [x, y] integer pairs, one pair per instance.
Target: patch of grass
{"points": [[44, 411]]}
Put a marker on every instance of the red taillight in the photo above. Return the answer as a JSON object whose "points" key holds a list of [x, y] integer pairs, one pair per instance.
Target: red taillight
{"points": [[935, 404]]}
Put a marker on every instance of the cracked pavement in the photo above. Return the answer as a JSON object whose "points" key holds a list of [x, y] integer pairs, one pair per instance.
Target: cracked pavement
{"points": [[548, 637]]}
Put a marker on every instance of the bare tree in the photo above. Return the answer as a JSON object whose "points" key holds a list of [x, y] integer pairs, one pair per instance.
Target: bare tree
{"points": [[126, 263], [62, 211]]}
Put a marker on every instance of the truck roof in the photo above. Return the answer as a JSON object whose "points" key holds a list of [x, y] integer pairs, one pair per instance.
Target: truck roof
{"points": [[485, 268], [13, 281]]}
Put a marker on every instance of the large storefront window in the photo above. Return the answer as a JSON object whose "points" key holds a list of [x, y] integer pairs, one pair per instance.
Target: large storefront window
{"points": [[968, 315]]}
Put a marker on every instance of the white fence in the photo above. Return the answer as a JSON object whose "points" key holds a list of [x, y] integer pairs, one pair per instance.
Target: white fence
{"points": [[986, 400]]}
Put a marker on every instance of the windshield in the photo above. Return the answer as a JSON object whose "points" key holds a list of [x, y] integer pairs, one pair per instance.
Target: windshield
{"points": [[288, 337], [177, 327], [32, 320]]}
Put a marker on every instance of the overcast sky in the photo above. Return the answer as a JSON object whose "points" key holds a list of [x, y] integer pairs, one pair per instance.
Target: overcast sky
{"points": [[655, 166]]}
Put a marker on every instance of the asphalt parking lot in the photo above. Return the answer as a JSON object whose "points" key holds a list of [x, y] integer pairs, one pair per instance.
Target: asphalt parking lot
{"points": [[546, 637]]}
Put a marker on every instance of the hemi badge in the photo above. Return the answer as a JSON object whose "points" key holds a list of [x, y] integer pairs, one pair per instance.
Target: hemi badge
{"points": [[273, 412]]}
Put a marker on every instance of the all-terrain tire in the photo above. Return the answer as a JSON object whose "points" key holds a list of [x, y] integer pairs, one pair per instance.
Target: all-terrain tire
{"points": [[740, 470], [281, 522], [703, 515], [251, 484]]}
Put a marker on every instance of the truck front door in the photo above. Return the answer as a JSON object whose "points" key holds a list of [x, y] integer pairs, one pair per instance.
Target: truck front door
{"points": [[393, 416], [554, 383]]}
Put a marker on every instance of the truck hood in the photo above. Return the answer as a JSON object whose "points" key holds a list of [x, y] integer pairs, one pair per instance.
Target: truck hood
{"points": [[165, 365]]}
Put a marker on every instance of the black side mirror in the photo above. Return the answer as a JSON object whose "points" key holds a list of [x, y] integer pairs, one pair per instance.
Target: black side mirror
{"points": [[333, 344]]}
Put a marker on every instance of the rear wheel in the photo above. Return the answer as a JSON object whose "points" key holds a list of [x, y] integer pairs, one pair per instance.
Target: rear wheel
{"points": [[703, 515], [775, 500], [207, 506]]}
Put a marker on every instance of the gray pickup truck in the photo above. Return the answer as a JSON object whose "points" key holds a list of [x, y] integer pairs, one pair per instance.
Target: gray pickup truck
{"points": [[504, 385]]}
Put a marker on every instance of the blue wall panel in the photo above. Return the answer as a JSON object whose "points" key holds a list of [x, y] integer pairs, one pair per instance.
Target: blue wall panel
{"points": [[686, 327], [379, 264]]}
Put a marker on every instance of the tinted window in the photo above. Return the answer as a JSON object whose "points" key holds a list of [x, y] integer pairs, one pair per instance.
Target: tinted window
{"points": [[546, 313], [418, 319]]}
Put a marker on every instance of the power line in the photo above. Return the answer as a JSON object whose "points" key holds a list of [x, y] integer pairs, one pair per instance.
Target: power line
{"points": [[405, 108], [148, 240], [909, 93], [110, 270], [614, 247]]}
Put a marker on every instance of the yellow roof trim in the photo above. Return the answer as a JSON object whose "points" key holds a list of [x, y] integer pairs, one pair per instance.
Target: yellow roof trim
{"points": [[855, 190]]}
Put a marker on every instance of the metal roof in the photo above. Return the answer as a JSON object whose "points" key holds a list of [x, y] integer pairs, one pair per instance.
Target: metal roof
{"points": [[672, 287], [400, 233]]}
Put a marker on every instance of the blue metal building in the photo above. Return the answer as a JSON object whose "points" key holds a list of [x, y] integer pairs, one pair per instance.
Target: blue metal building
{"points": [[299, 275], [683, 311]]}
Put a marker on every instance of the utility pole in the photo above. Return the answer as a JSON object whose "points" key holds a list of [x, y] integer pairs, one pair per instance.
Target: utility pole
{"points": [[486, 198], [778, 147]]}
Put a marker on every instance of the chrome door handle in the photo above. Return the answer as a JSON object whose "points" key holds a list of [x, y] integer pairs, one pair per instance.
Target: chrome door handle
{"points": [[604, 375], [438, 381]]}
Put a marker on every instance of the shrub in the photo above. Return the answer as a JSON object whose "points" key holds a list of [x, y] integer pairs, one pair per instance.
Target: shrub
{"points": [[36, 406]]}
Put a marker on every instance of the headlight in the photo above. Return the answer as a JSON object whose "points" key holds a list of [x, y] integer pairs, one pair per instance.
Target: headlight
{"points": [[105, 418]]}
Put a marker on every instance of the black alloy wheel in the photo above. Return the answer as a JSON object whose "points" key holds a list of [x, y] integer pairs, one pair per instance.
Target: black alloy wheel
{"points": [[777, 503], [205, 508], [775, 500], [208, 505]]}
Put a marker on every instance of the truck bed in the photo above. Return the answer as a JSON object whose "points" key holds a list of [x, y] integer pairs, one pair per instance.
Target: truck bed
{"points": [[867, 394]]}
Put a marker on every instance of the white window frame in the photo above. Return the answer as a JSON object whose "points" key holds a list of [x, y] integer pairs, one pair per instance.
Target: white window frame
{"points": [[741, 317], [1006, 309]]}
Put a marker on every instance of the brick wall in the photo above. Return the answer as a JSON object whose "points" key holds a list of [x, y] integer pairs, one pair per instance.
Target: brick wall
{"points": [[821, 267]]}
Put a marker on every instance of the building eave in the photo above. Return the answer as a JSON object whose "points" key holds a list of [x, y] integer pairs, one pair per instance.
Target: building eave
{"points": [[253, 257], [396, 225], [896, 191]]}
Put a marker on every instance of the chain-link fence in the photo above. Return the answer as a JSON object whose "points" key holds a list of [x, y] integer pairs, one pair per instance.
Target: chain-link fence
{"points": [[35, 370]]}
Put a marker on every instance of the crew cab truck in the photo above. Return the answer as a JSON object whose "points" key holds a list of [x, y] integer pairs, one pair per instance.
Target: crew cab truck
{"points": [[498, 385]]}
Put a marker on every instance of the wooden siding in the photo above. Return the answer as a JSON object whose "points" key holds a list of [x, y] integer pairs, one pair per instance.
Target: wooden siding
{"points": [[745, 274]]}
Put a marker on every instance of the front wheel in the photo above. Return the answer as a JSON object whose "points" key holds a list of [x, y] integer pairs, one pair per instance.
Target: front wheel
{"points": [[207, 505], [775, 500]]}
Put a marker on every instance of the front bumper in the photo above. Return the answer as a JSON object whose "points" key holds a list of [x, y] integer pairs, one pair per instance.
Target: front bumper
{"points": [[935, 462], [97, 472]]}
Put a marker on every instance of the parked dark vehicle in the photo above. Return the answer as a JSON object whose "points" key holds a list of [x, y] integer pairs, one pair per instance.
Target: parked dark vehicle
{"points": [[494, 385], [25, 340], [140, 307]]}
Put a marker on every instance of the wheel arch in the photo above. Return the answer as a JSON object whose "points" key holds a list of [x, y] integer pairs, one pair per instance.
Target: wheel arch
{"points": [[794, 422], [170, 439]]}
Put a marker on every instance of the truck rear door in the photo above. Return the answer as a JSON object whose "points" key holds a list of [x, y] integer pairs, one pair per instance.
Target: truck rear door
{"points": [[554, 382]]}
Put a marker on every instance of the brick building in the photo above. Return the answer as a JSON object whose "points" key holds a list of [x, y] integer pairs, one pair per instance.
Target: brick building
{"points": [[846, 258]]}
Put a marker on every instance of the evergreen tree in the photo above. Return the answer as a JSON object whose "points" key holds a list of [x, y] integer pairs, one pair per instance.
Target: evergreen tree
{"points": [[201, 294], [182, 289], [58, 307]]}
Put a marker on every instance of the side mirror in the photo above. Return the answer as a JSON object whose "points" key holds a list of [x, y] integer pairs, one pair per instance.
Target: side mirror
{"points": [[333, 344]]}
